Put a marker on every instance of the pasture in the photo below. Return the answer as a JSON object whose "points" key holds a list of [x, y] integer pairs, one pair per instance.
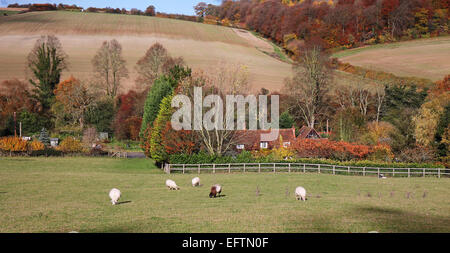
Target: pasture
{"points": [[66, 194], [425, 58], [204, 47]]}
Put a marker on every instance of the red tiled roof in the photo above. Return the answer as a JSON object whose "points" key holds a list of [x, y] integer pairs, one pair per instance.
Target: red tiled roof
{"points": [[251, 139], [305, 131]]}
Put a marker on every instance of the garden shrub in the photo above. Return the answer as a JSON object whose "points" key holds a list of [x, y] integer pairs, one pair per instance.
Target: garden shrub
{"points": [[13, 144], [70, 145], [47, 152]]}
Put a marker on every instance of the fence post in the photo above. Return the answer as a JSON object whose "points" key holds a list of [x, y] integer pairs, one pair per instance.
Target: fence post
{"points": [[274, 168], [183, 168], [378, 172], [304, 168], [259, 168], [409, 170], [439, 172], [199, 169], [244, 167], [393, 172], [348, 170], [423, 172], [214, 168], [319, 168], [229, 168], [334, 169], [364, 171], [289, 168]]}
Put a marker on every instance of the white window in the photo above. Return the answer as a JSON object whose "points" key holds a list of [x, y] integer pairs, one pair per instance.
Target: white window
{"points": [[264, 144], [240, 146], [286, 144]]}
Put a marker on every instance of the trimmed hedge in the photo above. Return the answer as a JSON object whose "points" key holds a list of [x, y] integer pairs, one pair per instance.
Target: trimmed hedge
{"points": [[246, 157]]}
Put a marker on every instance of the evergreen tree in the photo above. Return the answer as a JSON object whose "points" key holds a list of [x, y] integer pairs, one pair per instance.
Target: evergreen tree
{"points": [[286, 121], [157, 150], [162, 87], [46, 61]]}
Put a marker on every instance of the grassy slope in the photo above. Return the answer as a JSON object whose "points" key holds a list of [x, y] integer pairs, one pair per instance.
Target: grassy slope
{"points": [[65, 194], [203, 46], [426, 58]]}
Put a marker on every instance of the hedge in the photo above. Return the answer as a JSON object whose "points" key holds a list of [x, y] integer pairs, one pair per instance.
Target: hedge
{"points": [[246, 157]]}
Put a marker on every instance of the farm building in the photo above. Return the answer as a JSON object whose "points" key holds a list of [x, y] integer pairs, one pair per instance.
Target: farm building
{"points": [[254, 139]]}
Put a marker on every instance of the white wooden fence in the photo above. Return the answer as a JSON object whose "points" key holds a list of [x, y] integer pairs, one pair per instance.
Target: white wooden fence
{"points": [[304, 168]]}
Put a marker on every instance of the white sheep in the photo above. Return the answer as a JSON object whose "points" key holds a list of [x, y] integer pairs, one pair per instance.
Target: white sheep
{"points": [[172, 185], [196, 181], [218, 188], [114, 194], [300, 193]]}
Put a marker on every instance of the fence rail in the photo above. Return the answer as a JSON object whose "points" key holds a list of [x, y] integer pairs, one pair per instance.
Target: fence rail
{"points": [[304, 168]]}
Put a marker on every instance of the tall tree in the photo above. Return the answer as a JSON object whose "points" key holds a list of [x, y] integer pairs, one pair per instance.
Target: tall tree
{"points": [[154, 63], [150, 11], [109, 66], [162, 87], [46, 61], [75, 97], [308, 88]]}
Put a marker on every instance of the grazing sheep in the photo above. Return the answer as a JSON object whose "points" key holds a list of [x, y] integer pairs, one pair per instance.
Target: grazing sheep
{"points": [[196, 181], [300, 193], [172, 185], [114, 194], [215, 189], [382, 176]]}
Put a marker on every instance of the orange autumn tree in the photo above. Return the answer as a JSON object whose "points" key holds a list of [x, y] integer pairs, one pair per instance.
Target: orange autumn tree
{"points": [[324, 148], [75, 97], [179, 142], [13, 144]]}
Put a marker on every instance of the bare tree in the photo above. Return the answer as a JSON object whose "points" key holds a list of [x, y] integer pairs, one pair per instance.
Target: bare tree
{"points": [[155, 63], [109, 66], [226, 80], [380, 94], [309, 86]]}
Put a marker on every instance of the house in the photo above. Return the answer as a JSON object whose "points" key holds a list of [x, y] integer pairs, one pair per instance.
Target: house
{"points": [[54, 142], [254, 139], [308, 133]]}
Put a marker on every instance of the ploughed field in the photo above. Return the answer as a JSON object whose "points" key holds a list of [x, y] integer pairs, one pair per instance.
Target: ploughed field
{"points": [[425, 58], [204, 47], [71, 194]]}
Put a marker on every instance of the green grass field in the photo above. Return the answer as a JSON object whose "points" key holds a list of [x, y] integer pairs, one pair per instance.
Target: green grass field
{"points": [[425, 58], [66, 194]]}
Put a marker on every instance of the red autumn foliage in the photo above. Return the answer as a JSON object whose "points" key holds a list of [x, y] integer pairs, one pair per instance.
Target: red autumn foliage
{"points": [[345, 23], [324, 148], [183, 141], [442, 86], [15, 97], [128, 120]]}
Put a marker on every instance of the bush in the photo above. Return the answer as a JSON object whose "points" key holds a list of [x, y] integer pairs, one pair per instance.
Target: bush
{"points": [[247, 157], [36, 145], [70, 145], [13, 144], [97, 152], [46, 152]]}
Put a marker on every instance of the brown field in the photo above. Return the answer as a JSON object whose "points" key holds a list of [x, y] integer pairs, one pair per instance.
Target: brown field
{"points": [[202, 46], [13, 9], [425, 58]]}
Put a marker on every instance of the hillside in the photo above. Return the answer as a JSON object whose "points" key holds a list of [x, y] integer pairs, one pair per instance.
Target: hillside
{"points": [[202, 46], [425, 58]]}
